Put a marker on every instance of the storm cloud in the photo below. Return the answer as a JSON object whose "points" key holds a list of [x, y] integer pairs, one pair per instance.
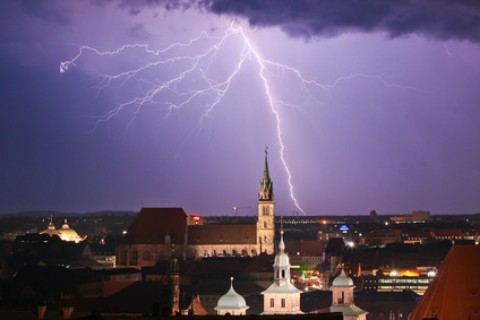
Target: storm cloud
{"points": [[438, 19]]}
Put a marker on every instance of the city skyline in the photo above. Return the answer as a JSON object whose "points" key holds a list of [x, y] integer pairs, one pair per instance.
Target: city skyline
{"points": [[116, 105]]}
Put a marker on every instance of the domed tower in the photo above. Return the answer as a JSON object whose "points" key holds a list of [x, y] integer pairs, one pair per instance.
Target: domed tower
{"points": [[231, 303], [51, 231], [68, 234], [265, 221], [282, 297], [342, 292]]}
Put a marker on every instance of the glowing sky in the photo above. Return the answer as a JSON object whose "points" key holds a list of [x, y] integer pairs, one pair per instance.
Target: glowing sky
{"points": [[390, 119]]}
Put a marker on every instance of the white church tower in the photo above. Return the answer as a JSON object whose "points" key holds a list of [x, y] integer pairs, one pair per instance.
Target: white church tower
{"points": [[282, 297], [342, 292]]}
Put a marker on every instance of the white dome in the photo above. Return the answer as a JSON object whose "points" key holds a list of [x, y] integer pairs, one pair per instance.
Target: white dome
{"points": [[231, 300], [342, 280]]}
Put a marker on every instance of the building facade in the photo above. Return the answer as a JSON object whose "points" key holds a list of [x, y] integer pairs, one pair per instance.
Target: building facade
{"points": [[159, 233]]}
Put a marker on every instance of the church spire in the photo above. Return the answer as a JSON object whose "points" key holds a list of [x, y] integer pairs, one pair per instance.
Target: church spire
{"points": [[266, 185]]}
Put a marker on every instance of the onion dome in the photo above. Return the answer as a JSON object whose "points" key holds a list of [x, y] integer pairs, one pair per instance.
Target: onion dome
{"points": [[231, 300], [342, 280], [281, 259]]}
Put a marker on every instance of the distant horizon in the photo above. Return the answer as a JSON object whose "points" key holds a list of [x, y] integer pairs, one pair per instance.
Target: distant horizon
{"points": [[119, 212]]}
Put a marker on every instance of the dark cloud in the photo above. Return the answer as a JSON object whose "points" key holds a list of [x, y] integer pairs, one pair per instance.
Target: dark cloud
{"points": [[440, 19], [43, 10]]}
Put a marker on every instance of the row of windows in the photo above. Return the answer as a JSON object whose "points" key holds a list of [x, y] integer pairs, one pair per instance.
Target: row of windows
{"points": [[225, 253], [282, 303], [402, 280], [418, 287]]}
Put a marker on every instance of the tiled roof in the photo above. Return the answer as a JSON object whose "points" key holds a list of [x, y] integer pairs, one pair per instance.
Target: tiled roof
{"points": [[222, 234], [152, 225], [455, 291]]}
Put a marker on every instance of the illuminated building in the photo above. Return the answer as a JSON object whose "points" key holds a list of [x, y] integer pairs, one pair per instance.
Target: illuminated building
{"points": [[282, 297], [158, 233], [64, 232]]}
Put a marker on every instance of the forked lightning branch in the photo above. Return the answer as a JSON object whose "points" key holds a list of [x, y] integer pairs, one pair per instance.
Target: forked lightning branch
{"points": [[175, 92]]}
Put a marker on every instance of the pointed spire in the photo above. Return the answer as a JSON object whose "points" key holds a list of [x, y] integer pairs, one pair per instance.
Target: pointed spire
{"points": [[231, 290], [266, 174], [266, 184], [281, 244], [51, 226]]}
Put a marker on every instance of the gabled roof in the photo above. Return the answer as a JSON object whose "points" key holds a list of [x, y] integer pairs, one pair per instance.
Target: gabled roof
{"points": [[222, 234], [152, 225], [350, 310], [455, 291]]}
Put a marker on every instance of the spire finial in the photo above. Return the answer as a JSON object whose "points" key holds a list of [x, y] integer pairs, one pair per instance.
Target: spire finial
{"points": [[281, 244]]}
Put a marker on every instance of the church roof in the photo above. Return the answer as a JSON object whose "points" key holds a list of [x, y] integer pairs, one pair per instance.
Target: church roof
{"points": [[151, 225], [348, 310], [342, 280], [222, 234], [285, 288], [282, 261], [231, 300], [454, 293]]}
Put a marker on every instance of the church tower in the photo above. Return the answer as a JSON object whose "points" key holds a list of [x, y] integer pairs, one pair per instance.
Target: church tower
{"points": [[342, 298], [282, 297], [265, 221]]}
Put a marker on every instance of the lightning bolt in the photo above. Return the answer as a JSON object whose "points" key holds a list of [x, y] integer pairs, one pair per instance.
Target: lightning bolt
{"points": [[174, 93]]}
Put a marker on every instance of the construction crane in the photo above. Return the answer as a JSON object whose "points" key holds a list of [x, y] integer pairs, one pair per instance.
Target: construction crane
{"points": [[237, 208]]}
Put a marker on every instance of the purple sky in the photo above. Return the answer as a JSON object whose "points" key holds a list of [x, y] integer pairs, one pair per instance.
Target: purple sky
{"points": [[392, 122]]}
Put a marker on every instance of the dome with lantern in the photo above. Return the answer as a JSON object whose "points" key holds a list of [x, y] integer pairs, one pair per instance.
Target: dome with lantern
{"points": [[65, 232], [231, 303]]}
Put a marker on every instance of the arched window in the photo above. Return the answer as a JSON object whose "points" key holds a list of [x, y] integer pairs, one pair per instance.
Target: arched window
{"points": [[265, 225], [283, 274]]}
